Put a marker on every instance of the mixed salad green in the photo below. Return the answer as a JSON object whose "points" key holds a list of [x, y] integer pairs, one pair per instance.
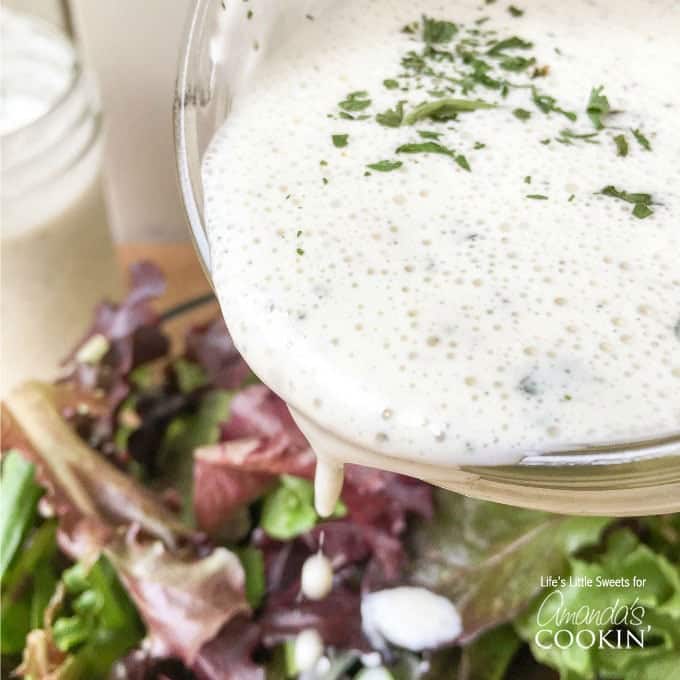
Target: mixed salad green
{"points": [[156, 512]]}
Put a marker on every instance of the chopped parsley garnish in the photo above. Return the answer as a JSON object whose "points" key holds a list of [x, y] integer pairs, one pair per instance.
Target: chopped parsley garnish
{"points": [[428, 134], [621, 145], [513, 43], [517, 63], [641, 139], [547, 104], [567, 136], [414, 62], [642, 210], [435, 31], [392, 117], [463, 162], [641, 201], [356, 101], [445, 109], [571, 198], [598, 106], [385, 166], [425, 147], [348, 116], [434, 147], [453, 61], [299, 251]]}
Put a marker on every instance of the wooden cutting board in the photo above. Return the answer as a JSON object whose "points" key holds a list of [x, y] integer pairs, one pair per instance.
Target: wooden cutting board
{"points": [[185, 281]]}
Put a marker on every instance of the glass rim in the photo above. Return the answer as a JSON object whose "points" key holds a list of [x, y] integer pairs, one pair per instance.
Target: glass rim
{"points": [[76, 77]]}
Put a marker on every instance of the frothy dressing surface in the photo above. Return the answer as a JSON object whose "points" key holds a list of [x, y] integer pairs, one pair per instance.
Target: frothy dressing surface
{"points": [[455, 286]]}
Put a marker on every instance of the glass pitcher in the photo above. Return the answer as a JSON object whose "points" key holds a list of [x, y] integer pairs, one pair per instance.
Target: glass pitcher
{"points": [[624, 478]]}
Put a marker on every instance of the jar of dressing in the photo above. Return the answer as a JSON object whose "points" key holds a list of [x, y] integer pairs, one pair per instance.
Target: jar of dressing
{"points": [[56, 251]]}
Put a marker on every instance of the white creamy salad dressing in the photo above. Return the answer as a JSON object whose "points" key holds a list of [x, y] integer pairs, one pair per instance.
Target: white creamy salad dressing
{"points": [[441, 316]]}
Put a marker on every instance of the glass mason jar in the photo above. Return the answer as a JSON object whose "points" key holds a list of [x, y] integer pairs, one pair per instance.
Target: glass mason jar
{"points": [[58, 259], [624, 478]]}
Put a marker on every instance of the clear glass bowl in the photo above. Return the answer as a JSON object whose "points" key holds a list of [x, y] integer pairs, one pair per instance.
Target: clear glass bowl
{"points": [[624, 478]]}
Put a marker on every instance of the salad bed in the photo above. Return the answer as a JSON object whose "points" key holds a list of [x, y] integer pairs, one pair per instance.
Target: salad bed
{"points": [[157, 511]]}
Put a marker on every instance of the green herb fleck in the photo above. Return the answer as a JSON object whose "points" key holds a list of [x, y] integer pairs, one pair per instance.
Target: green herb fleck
{"points": [[522, 114], [425, 147], [391, 84], [517, 63], [568, 136], [571, 198], [537, 197], [515, 11], [392, 117], [598, 106], [356, 101], [385, 166], [641, 139], [527, 179], [462, 162], [340, 141], [547, 104], [434, 147], [513, 43], [642, 210], [414, 62], [428, 134], [621, 145], [640, 201], [435, 31], [445, 109], [299, 251], [479, 145]]}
